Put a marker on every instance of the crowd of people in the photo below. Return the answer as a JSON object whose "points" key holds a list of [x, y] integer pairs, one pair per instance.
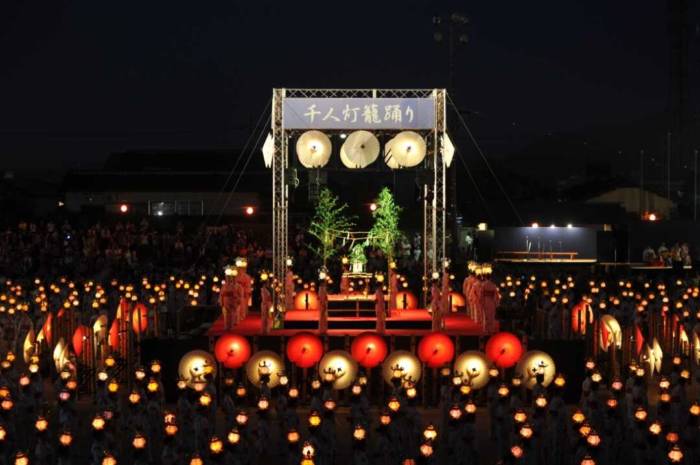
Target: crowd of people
{"points": [[637, 403], [677, 256], [126, 250]]}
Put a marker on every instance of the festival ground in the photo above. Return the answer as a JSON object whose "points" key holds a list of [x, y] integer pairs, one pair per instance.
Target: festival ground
{"points": [[405, 323]]}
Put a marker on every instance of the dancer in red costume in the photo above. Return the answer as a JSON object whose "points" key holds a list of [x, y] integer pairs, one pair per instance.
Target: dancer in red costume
{"points": [[380, 310], [323, 306], [246, 283], [486, 296], [228, 299], [436, 305], [265, 306], [289, 289], [446, 288], [467, 285]]}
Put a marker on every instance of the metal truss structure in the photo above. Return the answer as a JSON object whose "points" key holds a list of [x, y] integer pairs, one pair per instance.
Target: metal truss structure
{"points": [[434, 185]]}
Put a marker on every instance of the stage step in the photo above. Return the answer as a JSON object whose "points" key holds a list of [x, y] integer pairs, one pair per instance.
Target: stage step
{"points": [[409, 324], [351, 312], [353, 323], [300, 324]]}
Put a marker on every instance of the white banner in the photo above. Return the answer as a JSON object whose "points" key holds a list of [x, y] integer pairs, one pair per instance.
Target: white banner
{"points": [[359, 113]]}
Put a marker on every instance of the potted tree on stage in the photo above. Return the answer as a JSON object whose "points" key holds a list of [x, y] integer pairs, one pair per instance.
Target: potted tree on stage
{"points": [[330, 219]]}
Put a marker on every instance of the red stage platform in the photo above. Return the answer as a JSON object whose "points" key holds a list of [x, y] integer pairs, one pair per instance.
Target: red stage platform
{"points": [[408, 322]]}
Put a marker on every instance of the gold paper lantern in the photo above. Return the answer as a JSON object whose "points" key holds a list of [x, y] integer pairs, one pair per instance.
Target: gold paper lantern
{"points": [[473, 367], [109, 459], [194, 365], [533, 363], [609, 333], [430, 433], [268, 360], [341, 364], [28, 346], [60, 354], [403, 363]]}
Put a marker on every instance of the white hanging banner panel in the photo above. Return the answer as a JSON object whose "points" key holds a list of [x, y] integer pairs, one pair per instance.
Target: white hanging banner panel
{"points": [[359, 113]]}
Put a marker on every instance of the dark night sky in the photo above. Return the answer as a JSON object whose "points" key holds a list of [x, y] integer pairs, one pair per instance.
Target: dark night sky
{"points": [[79, 78]]}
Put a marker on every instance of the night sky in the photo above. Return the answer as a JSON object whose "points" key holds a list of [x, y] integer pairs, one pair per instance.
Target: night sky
{"points": [[80, 79]]}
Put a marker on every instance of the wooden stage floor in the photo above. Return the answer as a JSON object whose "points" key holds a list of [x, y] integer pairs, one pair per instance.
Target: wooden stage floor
{"points": [[409, 322]]}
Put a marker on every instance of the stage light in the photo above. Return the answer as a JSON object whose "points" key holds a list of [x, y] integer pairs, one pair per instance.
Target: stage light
{"points": [[552, 226], [249, 210], [535, 225], [124, 208], [569, 225], [652, 216], [373, 207]]}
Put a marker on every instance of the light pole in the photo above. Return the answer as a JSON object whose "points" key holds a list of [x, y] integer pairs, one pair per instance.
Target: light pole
{"points": [[454, 25], [695, 185], [641, 182]]}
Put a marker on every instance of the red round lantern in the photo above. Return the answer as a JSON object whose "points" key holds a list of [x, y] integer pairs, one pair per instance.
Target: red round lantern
{"points": [[79, 337], [368, 349], [139, 318], [436, 349], [114, 335], [504, 349], [304, 350], [232, 350], [48, 328], [581, 317], [306, 300], [405, 300]]}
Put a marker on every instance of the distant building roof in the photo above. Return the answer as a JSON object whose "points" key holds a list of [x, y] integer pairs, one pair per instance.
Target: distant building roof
{"points": [[636, 200], [172, 160], [169, 170], [98, 181]]}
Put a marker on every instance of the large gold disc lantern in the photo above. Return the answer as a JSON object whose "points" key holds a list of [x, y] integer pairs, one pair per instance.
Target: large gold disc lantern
{"points": [[341, 365], [313, 149], [360, 149], [264, 363], [389, 157], [195, 365], [401, 363], [407, 148], [473, 367], [533, 363]]}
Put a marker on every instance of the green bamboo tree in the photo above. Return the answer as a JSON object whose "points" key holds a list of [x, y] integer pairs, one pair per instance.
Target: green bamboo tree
{"points": [[330, 218], [385, 233]]}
